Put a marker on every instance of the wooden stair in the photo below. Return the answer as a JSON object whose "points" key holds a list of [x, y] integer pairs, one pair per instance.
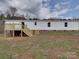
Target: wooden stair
{"points": [[27, 31]]}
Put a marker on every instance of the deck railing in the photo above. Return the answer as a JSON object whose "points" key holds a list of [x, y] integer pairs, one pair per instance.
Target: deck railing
{"points": [[12, 27]]}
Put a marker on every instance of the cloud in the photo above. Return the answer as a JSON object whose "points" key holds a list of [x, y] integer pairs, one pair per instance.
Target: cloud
{"points": [[3, 6], [33, 8], [60, 9], [59, 13], [76, 8], [45, 13], [36, 8]]}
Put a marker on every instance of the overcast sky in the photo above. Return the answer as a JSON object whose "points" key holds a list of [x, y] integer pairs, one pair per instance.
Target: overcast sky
{"points": [[43, 8]]}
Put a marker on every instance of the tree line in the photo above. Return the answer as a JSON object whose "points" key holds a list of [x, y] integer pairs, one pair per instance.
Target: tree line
{"points": [[9, 14]]}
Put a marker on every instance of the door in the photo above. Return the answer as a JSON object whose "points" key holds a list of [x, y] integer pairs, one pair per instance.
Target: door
{"points": [[23, 24]]}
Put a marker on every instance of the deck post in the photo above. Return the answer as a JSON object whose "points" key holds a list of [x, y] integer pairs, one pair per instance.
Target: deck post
{"points": [[13, 30], [5, 34], [13, 33], [21, 34]]}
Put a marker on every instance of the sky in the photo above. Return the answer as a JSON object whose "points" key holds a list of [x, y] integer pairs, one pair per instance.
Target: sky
{"points": [[43, 8]]}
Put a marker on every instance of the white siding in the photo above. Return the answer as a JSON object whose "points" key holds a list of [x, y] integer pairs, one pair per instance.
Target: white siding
{"points": [[60, 25], [43, 25]]}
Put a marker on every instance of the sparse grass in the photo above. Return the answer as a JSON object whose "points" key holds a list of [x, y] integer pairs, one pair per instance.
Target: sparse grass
{"points": [[63, 57], [39, 55], [62, 33], [56, 44], [41, 47]]}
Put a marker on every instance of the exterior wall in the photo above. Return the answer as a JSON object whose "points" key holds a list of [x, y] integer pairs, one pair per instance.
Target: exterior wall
{"points": [[57, 25], [43, 25]]}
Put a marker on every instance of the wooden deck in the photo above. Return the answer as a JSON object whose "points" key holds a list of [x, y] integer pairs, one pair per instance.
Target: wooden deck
{"points": [[22, 28]]}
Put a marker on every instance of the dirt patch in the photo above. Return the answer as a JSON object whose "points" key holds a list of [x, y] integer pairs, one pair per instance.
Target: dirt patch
{"points": [[54, 53], [26, 56]]}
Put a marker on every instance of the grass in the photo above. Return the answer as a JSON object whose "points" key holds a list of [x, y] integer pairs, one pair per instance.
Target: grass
{"points": [[62, 33], [7, 53], [56, 44], [40, 47], [39, 55], [63, 57]]}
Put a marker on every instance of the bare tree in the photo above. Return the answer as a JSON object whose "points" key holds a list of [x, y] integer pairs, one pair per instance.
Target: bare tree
{"points": [[13, 11], [8, 15]]}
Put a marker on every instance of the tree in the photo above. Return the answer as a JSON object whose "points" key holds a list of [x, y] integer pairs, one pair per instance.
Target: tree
{"points": [[2, 16], [8, 16], [13, 11]]}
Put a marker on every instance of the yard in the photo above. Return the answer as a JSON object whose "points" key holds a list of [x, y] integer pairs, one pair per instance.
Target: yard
{"points": [[48, 45]]}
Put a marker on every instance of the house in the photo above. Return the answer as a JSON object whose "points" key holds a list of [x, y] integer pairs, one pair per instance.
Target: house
{"points": [[32, 27]]}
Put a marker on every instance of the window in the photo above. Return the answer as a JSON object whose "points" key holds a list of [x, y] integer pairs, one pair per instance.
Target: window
{"points": [[49, 24], [66, 24], [35, 23]]}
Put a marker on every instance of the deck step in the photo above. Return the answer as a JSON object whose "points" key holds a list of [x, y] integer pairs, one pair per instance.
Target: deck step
{"points": [[27, 31]]}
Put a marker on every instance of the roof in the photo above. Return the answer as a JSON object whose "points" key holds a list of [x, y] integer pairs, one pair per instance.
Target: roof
{"points": [[53, 19]]}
